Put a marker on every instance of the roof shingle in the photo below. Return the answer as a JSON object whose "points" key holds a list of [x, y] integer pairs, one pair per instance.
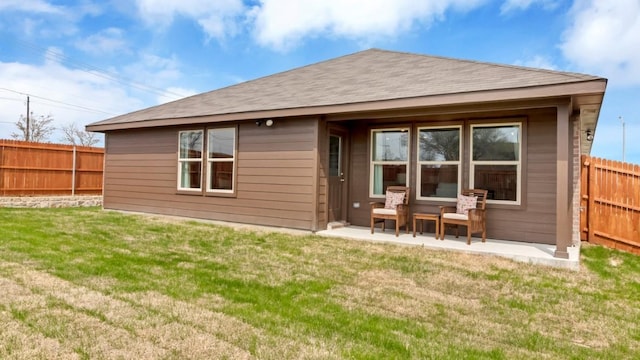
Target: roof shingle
{"points": [[366, 76]]}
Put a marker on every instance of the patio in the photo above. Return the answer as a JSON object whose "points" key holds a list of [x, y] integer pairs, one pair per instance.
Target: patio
{"points": [[541, 254]]}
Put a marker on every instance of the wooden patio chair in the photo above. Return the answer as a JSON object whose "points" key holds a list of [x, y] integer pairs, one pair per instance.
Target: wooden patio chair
{"points": [[395, 207], [467, 212]]}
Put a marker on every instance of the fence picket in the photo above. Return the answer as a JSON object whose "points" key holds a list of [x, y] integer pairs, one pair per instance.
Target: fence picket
{"points": [[28, 169], [612, 214]]}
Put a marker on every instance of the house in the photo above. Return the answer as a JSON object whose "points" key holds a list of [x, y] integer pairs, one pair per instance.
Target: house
{"points": [[316, 144]]}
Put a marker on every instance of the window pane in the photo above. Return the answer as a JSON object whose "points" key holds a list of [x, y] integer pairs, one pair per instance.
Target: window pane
{"points": [[439, 181], [221, 143], [390, 145], [439, 144], [500, 180], [388, 175], [190, 144], [221, 174], [496, 143], [190, 174], [334, 155]]}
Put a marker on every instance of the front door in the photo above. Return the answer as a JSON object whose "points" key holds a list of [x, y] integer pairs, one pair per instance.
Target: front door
{"points": [[337, 179]]}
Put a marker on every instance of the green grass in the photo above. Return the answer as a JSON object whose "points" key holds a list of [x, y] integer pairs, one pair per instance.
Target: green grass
{"points": [[86, 283]]}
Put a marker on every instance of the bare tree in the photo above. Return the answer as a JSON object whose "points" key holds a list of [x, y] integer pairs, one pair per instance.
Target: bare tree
{"points": [[39, 128], [76, 136]]}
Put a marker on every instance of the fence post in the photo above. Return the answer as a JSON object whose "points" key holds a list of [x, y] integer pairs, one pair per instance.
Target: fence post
{"points": [[591, 179], [584, 197], [2, 191], [73, 173]]}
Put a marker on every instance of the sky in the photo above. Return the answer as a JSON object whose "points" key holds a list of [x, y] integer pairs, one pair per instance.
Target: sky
{"points": [[89, 60]]}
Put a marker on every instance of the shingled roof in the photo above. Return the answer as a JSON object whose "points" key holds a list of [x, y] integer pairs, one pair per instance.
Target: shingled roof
{"points": [[365, 77]]}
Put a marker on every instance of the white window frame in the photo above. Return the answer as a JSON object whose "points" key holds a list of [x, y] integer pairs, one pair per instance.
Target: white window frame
{"points": [[443, 162], [518, 162], [185, 160], [373, 163], [210, 162]]}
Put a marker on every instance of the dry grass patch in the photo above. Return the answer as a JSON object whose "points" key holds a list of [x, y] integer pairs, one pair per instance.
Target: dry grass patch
{"points": [[81, 283]]}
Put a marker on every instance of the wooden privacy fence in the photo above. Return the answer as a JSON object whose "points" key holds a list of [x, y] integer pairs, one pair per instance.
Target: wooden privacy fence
{"points": [[610, 202], [28, 169]]}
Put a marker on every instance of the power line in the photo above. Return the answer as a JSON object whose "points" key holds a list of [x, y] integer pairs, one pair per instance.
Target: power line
{"points": [[73, 107], [84, 108], [12, 99], [96, 71]]}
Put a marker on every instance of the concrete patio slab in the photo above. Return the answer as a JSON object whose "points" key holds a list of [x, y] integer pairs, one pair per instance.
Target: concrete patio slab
{"points": [[540, 254]]}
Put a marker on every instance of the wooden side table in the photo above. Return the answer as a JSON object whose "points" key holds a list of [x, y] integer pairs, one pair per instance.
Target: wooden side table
{"points": [[422, 217]]}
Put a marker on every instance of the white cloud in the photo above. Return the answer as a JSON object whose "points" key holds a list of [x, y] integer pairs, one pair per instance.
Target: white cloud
{"points": [[539, 62], [604, 39], [281, 24], [33, 6], [217, 18], [54, 89], [76, 95], [107, 41], [519, 5], [34, 17], [161, 99], [153, 70]]}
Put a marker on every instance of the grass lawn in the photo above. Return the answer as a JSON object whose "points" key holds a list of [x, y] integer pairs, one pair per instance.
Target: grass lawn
{"points": [[90, 284]]}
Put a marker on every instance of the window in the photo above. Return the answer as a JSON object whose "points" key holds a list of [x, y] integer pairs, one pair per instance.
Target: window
{"points": [[221, 159], [389, 159], [496, 161], [190, 160], [335, 148], [438, 173]]}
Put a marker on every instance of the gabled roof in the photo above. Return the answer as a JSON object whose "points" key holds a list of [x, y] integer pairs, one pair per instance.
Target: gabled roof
{"points": [[366, 77]]}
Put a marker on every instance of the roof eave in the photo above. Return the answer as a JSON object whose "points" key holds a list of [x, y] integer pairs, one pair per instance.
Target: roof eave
{"points": [[596, 86]]}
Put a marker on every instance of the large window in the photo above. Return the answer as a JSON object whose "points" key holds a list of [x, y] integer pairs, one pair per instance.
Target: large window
{"points": [[221, 159], [438, 173], [496, 161], [190, 160], [389, 159]]}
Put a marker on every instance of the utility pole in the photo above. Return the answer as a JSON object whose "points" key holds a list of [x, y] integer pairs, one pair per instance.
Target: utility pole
{"points": [[623, 138], [26, 135]]}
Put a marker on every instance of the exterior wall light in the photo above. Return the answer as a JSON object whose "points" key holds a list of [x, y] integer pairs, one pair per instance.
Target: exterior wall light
{"points": [[589, 135], [268, 122]]}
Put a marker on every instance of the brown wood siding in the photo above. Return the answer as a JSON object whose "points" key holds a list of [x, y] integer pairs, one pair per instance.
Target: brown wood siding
{"points": [[323, 165], [359, 176], [533, 221], [275, 175]]}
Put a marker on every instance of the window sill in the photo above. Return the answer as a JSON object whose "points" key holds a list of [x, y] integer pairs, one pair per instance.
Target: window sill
{"points": [[220, 194], [194, 192]]}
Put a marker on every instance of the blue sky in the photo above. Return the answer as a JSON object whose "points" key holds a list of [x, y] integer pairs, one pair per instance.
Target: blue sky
{"points": [[87, 60]]}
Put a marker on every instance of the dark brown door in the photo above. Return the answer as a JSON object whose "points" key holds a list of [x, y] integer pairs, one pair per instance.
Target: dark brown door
{"points": [[337, 179]]}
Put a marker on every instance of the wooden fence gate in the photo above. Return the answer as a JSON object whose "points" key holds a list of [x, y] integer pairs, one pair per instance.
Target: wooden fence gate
{"points": [[610, 203]]}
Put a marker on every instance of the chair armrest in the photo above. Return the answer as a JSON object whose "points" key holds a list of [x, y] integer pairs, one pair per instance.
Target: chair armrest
{"points": [[447, 209], [375, 205]]}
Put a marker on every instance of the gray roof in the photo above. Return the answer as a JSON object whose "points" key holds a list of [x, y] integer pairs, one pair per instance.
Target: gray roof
{"points": [[367, 76]]}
